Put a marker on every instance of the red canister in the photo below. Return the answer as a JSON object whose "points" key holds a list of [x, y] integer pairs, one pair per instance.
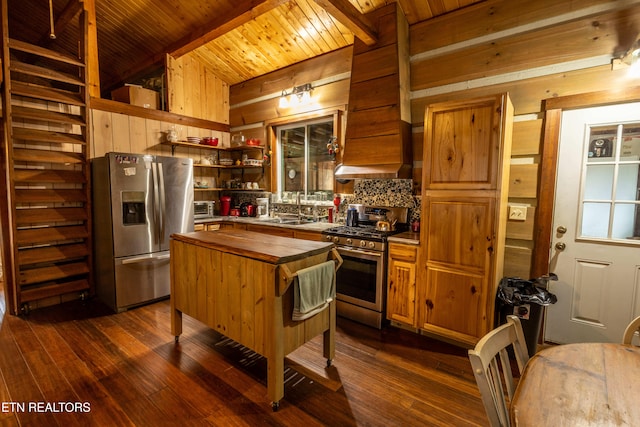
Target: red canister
{"points": [[225, 205]]}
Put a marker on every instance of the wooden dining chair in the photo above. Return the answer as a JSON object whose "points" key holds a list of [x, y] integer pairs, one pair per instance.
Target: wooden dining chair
{"points": [[627, 337], [492, 368]]}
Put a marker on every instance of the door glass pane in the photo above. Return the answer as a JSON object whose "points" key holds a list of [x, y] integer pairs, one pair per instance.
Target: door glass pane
{"points": [[610, 179], [595, 220], [630, 149], [627, 182], [602, 143], [623, 221], [599, 182]]}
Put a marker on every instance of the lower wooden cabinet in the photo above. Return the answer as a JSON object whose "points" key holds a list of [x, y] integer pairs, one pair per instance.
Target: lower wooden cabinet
{"points": [[401, 284], [208, 226], [308, 235], [235, 225], [267, 229]]}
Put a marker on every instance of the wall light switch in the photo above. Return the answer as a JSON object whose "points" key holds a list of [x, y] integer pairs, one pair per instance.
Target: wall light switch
{"points": [[517, 213]]}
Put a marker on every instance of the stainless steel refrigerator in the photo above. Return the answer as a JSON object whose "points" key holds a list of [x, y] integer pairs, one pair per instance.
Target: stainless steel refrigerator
{"points": [[138, 202]]}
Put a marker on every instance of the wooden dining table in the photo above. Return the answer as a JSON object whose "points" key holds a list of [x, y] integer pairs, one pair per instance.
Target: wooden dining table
{"points": [[586, 384]]}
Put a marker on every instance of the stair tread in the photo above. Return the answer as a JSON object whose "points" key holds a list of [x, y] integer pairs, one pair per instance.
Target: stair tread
{"points": [[47, 156], [50, 215], [48, 176], [50, 234], [45, 93], [28, 195], [47, 136], [53, 289], [45, 274], [52, 253], [46, 73], [41, 51], [46, 115]]}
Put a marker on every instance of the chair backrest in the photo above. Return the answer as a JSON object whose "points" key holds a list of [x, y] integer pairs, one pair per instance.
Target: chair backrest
{"points": [[491, 375], [627, 337]]}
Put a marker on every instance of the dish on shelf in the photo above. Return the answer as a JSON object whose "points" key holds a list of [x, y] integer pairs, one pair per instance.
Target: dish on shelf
{"points": [[226, 162], [253, 141], [237, 140], [252, 162], [193, 139], [213, 142]]}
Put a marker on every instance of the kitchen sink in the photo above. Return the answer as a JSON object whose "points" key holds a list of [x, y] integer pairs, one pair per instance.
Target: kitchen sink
{"points": [[288, 221], [271, 220], [295, 221]]}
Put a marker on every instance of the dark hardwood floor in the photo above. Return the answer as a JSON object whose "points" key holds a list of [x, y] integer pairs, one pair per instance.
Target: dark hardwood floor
{"points": [[77, 364]]}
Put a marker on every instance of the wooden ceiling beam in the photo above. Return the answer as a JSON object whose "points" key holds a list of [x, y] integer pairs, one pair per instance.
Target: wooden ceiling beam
{"points": [[241, 14], [351, 18]]}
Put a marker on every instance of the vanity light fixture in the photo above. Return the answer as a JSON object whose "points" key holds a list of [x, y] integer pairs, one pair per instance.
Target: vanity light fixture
{"points": [[284, 100], [300, 95], [630, 60]]}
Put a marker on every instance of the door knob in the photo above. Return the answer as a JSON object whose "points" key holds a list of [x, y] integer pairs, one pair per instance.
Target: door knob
{"points": [[561, 229], [561, 246]]}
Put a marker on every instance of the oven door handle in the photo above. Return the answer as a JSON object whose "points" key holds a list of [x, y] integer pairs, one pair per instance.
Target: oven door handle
{"points": [[359, 252]]}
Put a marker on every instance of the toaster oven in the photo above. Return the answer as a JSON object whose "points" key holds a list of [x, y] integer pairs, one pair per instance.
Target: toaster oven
{"points": [[203, 209]]}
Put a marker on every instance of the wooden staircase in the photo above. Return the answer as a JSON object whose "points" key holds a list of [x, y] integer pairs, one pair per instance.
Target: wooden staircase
{"points": [[46, 210]]}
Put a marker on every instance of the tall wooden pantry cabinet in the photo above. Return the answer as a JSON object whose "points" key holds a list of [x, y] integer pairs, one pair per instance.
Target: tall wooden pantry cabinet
{"points": [[464, 211]]}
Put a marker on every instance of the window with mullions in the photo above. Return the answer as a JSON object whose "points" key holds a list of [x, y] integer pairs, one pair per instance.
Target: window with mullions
{"points": [[611, 183], [304, 164]]}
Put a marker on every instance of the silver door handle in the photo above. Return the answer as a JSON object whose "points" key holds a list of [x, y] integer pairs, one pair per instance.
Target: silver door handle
{"points": [[561, 246], [146, 258], [360, 252], [162, 203]]}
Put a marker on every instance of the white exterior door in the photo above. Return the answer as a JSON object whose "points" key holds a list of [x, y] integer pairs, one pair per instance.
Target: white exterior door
{"points": [[595, 250]]}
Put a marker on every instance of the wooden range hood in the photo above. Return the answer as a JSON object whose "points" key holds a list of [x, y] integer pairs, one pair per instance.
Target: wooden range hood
{"points": [[378, 133]]}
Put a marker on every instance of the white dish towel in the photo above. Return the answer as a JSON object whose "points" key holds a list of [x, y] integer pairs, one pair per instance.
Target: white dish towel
{"points": [[313, 289]]}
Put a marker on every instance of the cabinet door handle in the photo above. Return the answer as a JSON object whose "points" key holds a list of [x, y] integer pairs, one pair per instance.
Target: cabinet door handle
{"points": [[429, 304]]}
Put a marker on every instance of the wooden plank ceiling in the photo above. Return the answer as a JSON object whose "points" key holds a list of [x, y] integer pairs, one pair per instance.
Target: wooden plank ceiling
{"points": [[238, 40]]}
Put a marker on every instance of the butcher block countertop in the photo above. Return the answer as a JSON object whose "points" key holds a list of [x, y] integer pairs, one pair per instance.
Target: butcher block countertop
{"points": [[258, 246]]}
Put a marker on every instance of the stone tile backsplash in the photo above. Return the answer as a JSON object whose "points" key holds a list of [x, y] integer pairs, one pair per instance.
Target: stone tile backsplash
{"points": [[372, 192], [383, 192]]}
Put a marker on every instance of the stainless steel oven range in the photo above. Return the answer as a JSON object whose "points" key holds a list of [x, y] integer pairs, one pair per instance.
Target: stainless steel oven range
{"points": [[361, 281]]}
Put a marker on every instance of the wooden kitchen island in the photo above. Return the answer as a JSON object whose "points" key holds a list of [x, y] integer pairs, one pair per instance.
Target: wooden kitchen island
{"points": [[239, 283]]}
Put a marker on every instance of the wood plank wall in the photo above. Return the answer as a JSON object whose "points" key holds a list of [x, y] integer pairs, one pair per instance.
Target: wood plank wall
{"points": [[254, 104], [195, 91], [520, 47]]}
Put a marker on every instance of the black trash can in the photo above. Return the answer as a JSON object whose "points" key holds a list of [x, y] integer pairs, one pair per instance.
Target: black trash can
{"points": [[525, 299]]}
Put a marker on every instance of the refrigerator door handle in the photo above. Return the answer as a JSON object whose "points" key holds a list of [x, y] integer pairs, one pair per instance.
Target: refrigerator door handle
{"points": [[156, 199], [162, 211], [145, 258]]}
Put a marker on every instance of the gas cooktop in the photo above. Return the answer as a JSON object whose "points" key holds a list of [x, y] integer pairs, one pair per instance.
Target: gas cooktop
{"points": [[368, 232]]}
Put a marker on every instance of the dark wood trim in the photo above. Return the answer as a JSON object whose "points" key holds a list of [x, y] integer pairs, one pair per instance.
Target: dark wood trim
{"points": [[546, 192], [553, 108], [164, 116]]}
